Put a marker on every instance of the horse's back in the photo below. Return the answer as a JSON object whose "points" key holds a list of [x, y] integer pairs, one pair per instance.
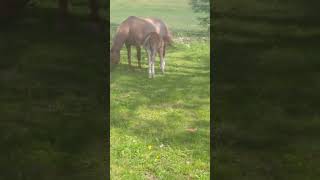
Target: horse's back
{"points": [[162, 29], [139, 27]]}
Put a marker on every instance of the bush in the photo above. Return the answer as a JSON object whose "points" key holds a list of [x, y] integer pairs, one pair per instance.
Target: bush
{"points": [[202, 6]]}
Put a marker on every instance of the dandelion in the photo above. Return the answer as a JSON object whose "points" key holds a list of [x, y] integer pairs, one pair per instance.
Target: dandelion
{"points": [[149, 147]]}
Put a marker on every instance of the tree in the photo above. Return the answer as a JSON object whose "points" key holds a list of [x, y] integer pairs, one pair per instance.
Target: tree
{"points": [[203, 7]]}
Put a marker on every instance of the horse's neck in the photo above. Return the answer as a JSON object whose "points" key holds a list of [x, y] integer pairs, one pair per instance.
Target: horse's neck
{"points": [[118, 42]]}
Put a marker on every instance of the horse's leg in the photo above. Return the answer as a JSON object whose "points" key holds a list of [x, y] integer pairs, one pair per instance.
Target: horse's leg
{"points": [[162, 60], [149, 60], [164, 50], [139, 56], [152, 62], [129, 53]]}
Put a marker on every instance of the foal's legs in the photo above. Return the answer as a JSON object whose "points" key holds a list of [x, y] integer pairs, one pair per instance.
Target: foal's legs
{"points": [[162, 60], [128, 46], [153, 58], [149, 61], [139, 56]]}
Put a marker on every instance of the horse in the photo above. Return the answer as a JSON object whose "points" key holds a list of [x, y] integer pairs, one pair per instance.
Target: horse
{"points": [[133, 31], [154, 44]]}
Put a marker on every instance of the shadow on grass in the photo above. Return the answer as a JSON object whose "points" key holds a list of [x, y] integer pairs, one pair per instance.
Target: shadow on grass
{"points": [[52, 99], [265, 109], [183, 90]]}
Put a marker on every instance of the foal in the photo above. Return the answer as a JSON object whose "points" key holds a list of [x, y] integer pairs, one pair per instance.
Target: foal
{"points": [[154, 44]]}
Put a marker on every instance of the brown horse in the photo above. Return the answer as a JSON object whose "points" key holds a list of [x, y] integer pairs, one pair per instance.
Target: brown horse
{"points": [[133, 31]]}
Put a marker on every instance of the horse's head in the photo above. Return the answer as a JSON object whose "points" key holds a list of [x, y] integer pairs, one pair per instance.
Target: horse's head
{"points": [[114, 57]]}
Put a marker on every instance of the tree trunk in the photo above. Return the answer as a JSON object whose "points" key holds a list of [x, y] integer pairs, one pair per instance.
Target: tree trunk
{"points": [[94, 10], [63, 8]]}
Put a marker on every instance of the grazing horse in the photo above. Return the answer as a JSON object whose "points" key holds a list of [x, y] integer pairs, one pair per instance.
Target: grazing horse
{"points": [[133, 31], [154, 44]]}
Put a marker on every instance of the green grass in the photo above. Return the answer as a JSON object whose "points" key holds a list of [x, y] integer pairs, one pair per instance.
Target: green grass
{"points": [[266, 105], [178, 15], [150, 112], [149, 117]]}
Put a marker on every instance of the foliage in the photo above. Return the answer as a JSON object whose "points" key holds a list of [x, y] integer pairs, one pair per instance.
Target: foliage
{"points": [[203, 7]]}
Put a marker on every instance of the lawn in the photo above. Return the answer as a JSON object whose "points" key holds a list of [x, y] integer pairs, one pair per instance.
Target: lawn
{"points": [[150, 117], [267, 88]]}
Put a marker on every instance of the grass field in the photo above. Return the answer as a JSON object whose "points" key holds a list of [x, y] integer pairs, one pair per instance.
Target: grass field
{"points": [[178, 15], [267, 87], [149, 117]]}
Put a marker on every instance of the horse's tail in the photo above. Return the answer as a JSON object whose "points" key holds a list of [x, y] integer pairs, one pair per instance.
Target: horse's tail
{"points": [[168, 37], [168, 40]]}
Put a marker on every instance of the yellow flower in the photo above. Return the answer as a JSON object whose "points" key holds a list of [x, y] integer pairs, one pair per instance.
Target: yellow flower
{"points": [[149, 147]]}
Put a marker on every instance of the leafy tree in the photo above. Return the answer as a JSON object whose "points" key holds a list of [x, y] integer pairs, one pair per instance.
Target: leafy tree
{"points": [[203, 7]]}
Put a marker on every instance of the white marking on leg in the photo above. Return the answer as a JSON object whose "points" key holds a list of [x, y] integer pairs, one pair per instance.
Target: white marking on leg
{"points": [[149, 60], [152, 61], [163, 64]]}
